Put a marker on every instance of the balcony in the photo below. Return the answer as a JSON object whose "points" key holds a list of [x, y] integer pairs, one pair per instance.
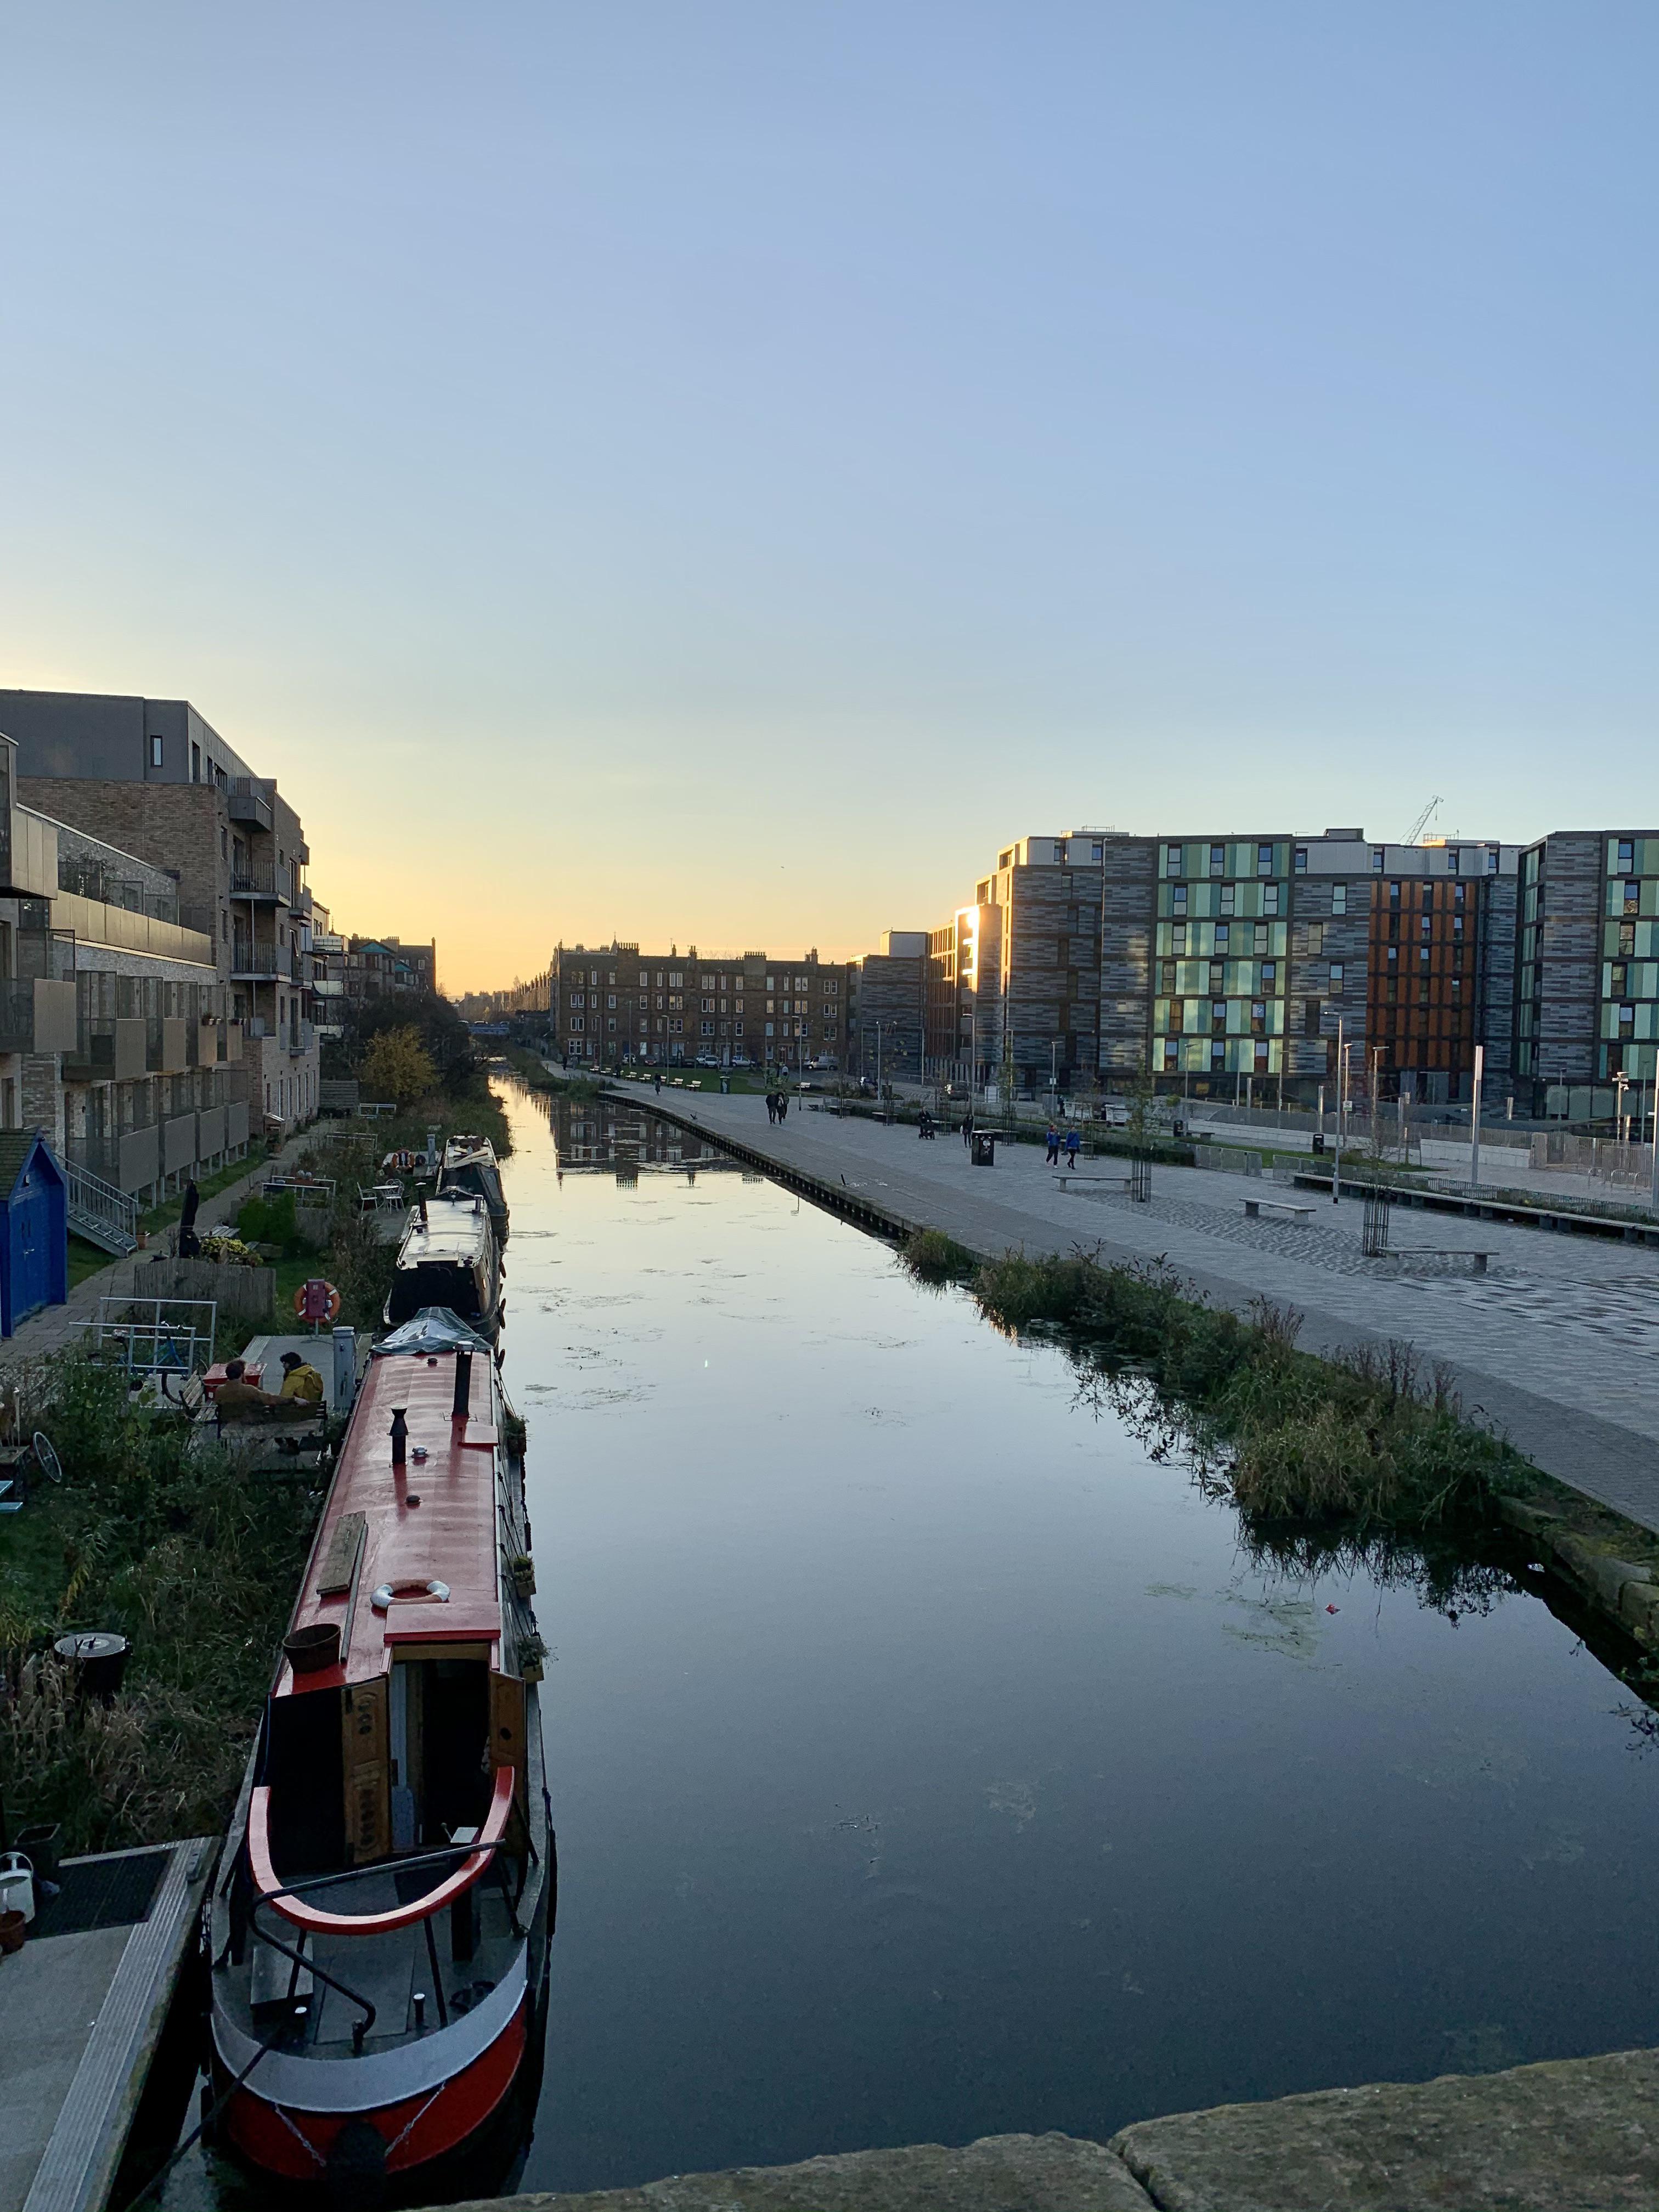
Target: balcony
{"points": [[250, 804], [260, 879], [108, 1052], [302, 1038], [263, 964]]}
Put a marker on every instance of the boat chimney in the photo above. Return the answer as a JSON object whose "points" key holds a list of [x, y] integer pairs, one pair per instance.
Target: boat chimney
{"points": [[423, 1209], [399, 1435], [463, 1405]]}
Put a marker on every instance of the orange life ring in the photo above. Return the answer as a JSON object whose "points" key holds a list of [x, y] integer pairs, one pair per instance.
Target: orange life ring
{"points": [[333, 1301]]}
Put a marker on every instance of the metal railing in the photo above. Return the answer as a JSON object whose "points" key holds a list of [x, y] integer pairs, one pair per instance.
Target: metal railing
{"points": [[98, 1211], [260, 879], [156, 1336]]}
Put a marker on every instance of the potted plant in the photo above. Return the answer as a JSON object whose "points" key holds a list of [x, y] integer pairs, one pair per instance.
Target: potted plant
{"points": [[524, 1575]]}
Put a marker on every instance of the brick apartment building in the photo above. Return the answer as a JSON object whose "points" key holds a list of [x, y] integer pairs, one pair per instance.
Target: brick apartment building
{"points": [[611, 1003]]}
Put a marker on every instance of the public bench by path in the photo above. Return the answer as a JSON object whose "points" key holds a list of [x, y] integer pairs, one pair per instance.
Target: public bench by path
{"points": [[1255, 1207], [1478, 1260], [1116, 1182]]}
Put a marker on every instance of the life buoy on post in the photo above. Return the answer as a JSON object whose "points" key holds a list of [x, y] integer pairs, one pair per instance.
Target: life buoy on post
{"points": [[317, 1301]]}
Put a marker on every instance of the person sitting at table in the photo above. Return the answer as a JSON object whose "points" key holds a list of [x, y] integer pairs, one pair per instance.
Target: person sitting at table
{"points": [[238, 1400], [301, 1383]]}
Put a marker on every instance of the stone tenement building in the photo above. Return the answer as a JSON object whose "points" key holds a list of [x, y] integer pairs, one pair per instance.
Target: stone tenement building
{"points": [[154, 779], [613, 1003]]}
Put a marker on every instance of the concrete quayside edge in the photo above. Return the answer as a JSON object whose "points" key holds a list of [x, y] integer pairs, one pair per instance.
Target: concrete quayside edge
{"points": [[1570, 2135]]}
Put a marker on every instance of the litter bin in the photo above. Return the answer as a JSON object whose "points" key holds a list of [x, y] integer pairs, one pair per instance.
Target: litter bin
{"points": [[984, 1152], [98, 1659]]}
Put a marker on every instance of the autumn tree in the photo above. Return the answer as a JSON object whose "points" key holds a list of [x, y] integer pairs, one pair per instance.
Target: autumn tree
{"points": [[398, 1066]]}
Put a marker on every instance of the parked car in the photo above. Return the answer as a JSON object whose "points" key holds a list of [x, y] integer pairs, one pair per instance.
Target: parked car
{"points": [[708, 1059]]}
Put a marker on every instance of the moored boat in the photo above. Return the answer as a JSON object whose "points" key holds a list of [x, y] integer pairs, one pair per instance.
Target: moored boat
{"points": [[379, 1925], [449, 1257], [470, 1168]]}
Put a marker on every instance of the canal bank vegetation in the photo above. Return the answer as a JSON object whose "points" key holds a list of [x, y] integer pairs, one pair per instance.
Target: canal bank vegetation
{"points": [[155, 1535], [1370, 1440]]}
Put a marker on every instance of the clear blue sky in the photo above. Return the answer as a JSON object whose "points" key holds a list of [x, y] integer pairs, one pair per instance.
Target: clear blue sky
{"points": [[720, 470]]}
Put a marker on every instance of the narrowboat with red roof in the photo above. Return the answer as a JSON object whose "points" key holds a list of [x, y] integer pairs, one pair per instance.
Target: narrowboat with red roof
{"points": [[380, 1924]]}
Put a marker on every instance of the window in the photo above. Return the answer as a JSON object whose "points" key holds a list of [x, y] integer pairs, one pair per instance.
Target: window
{"points": [[1258, 1017], [156, 752], [1338, 898], [1454, 860], [1269, 975], [706, 1028], [1259, 939], [675, 1028], [1178, 898], [1633, 898], [1177, 1015], [1218, 976], [1217, 859], [1491, 859], [1172, 860], [1626, 854], [578, 1022], [610, 1023], [675, 979], [1379, 858], [675, 1002], [577, 999], [1218, 1014], [610, 998], [1228, 893], [1339, 974], [708, 1006], [830, 1031], [1301, 861], [1097, 851], [706, 981], [1425, 927], [1171, 1053], [737, 1029], [1627, 940], [1217, 1052], [1316, 939], [771, 982], [1310, 1018], [831, 985], [1264, 860], [1168, 983], [1626, 1022], [1270, 898], [1178, 937], [1224, 931], [1458, 900]]}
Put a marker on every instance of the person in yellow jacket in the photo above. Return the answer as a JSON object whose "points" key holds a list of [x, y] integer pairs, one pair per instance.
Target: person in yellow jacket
{"points": [[300, 1380]]}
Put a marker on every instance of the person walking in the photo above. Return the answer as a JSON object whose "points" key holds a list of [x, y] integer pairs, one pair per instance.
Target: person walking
{"points": [[1071, 1143], [1054, 1146], [783, 1105], [190, 1244]]}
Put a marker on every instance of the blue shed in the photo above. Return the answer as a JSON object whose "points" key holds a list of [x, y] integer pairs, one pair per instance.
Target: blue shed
{"points": [[34, 1236]]}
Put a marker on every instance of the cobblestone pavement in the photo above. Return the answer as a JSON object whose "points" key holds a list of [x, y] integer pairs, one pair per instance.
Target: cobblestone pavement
{"points": [[1556, 1344]]}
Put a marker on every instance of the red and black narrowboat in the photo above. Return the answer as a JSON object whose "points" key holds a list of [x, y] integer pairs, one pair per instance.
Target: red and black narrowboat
{"points": [[380, 1924]]}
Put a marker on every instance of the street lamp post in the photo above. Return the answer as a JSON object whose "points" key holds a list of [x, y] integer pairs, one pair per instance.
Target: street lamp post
{"points": [[1474, 1118], [1336, 1177]]}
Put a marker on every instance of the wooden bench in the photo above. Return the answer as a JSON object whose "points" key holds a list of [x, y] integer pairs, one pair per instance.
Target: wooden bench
{"points": [[1255, 1207]]}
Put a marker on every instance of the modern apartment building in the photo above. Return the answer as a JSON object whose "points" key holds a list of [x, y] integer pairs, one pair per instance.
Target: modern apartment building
{"points": [[891, 1021], [614, 1002], [1216, 964], [152, 779], [114, 1035], [1587, 997]]}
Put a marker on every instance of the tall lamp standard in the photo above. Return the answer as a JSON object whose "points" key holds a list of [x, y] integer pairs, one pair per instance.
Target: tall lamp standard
{"points": [[1336, 1178]]}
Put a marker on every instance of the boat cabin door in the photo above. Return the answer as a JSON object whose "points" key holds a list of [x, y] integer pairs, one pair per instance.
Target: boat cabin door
{"points": [[440, 1748]]}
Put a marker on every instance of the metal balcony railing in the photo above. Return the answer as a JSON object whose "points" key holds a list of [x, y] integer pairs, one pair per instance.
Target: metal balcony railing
{"points": [[255, 962], [259, 879], [302, 1036]]}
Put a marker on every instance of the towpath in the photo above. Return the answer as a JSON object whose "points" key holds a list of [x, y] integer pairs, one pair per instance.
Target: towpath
{"points": [[1557, 1345]]}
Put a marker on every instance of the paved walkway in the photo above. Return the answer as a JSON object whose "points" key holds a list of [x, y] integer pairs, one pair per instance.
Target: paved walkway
{"points": [[53, 1327], [1556, 1344]]}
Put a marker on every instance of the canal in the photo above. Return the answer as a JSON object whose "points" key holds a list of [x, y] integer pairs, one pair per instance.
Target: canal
{"points": [[929, 1761]]}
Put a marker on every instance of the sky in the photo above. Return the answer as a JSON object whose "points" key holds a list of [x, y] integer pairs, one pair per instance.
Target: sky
{"points": [[716, 471]]}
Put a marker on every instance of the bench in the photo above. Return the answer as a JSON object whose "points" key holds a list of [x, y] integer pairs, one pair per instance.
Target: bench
{"points": [[1477, 1260], [1118, 1182], [1255, 1207]]}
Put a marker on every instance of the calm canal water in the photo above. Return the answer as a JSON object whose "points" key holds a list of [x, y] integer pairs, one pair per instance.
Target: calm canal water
{"points": [[928, 1762]]}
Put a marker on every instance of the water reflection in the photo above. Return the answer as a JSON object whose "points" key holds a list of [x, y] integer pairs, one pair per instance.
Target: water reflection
{"points": [[595, 1135]]}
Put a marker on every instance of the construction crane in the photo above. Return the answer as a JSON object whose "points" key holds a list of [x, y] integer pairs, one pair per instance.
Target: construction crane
{"points": [[1422, 822]]}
